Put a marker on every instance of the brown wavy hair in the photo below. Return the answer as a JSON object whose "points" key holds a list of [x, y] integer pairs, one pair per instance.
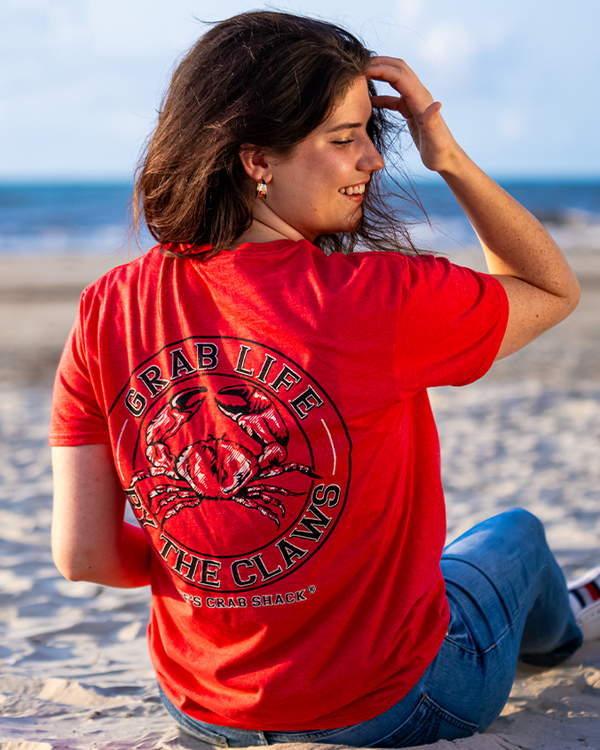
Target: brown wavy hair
{"points": [[267, 79]]}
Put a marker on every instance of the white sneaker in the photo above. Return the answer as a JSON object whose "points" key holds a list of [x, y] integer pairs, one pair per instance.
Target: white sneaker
{"points": [[584, 596]]}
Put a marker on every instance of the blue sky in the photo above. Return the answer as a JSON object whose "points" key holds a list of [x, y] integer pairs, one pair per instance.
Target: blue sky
{"points": [[518, 80]]}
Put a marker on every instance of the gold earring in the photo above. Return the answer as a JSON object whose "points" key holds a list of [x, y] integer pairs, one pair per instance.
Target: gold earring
{"points": [[261, 189]]}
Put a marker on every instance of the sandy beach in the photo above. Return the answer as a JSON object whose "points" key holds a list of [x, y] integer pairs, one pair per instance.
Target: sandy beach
{"points": [[74, 667]]}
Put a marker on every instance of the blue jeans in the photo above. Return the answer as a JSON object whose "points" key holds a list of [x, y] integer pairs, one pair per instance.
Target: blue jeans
{"points": [[508, 601]]}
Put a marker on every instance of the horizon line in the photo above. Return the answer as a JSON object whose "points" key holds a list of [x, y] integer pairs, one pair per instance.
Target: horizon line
{"points": [[533, 178]]}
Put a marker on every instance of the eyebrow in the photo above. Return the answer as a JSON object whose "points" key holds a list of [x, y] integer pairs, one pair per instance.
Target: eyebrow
{"points": [[346, 126]]}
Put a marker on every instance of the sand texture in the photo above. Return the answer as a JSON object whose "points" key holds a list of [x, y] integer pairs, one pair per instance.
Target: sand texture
{"points": [[74, 667]]}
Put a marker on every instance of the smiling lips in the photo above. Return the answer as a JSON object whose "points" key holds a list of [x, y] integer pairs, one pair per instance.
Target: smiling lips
{"points": [[353, 189]]}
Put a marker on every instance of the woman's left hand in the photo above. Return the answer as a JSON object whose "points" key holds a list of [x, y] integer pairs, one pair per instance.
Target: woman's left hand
{"points": [[430, 133]]}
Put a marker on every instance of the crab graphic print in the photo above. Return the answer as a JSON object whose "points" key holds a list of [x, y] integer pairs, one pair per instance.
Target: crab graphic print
{"points": [[240, 464]]}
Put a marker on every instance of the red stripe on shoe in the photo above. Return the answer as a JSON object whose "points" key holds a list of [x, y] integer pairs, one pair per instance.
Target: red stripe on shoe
{"points": [[593, 590]]}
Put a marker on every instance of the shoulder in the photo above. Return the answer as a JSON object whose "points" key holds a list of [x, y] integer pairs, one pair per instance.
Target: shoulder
{"points": [[396, 261], [125, 276], [402, 270]]}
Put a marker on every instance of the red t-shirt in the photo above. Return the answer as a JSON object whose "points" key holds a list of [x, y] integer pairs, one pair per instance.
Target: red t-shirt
{"points": [[269, 421]]}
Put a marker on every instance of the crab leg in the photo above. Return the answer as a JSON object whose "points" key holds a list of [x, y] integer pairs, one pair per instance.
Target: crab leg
{"points": [[248, 502], [275, 471], [273, 488]]}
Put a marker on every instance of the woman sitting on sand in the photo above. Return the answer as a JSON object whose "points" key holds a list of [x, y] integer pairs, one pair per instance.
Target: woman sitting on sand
{"points": [[258, 393]]}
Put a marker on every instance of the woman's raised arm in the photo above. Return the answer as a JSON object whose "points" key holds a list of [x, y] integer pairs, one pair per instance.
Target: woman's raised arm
{"points": [[541, 288], [90, 540]]}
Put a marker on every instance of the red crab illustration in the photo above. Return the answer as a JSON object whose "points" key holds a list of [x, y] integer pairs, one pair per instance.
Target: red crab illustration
{"points": [[217, 468]]}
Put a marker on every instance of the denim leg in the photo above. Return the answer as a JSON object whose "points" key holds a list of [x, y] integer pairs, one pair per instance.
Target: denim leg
{"points": [[508, 600]]}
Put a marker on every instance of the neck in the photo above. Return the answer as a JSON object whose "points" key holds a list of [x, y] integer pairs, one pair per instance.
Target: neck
{"points": [[266, 226]]}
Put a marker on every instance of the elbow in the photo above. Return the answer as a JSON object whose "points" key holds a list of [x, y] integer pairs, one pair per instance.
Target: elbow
{"points": [[574, 297], [70, 568], [73, 564], [570, 300], [532, 311], [71, 575]]}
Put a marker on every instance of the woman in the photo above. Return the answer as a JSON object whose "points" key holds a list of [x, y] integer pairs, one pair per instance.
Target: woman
{"points": [[263, 406]]}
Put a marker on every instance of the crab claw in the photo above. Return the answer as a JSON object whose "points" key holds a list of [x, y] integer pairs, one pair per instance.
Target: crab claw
{"points": [[242, 399], [179, 410], [189, 400], [255, 413]]}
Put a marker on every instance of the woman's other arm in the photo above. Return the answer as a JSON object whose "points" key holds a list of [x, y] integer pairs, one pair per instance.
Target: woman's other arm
{"points": [[90, 540], [541, 288]]}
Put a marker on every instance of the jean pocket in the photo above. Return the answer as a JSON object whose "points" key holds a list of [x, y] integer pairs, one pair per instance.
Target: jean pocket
{"points": [[428, 723]]}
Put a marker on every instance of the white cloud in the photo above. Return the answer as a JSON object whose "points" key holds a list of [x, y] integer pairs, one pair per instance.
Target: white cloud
{"points": [[453, 49], [410, 12]]}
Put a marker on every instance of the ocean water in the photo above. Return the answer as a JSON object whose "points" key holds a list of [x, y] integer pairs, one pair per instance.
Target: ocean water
{"points": [[51, 218], [570, 211], [48, 218]]}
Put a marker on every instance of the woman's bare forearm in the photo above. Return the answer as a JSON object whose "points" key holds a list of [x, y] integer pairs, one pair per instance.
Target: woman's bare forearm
{"points": [[125, 566], [90, 539]]}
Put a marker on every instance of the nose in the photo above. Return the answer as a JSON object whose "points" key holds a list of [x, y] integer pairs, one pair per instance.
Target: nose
{"points": [[370, 159]]}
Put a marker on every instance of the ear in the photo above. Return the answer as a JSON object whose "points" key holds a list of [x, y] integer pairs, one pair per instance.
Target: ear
{"points": [[255, 163]]}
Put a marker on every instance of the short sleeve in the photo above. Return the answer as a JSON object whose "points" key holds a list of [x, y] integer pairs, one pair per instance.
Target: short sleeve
{"points": [[451, 322], [76, 417]]}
